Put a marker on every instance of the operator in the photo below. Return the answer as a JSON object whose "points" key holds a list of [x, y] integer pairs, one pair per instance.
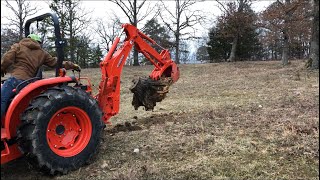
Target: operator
{"points": [[22, 61]]}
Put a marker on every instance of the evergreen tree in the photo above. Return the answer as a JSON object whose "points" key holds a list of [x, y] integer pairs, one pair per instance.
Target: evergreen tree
{"points": [[219, 47], [202, 54], [96, 56], [83, 51], [228, 30], [159, 34], [249, 47]]}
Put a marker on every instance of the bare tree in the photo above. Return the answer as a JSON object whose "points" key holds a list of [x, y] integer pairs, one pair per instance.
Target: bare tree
{"points": [[314, 49], [107, 31], [21, 9], [73, 21], [133, 11], [180, 20], [285, 48], [288, 17], [8, 37]]}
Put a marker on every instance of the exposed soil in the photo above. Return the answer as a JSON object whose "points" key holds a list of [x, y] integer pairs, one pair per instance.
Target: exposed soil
{"points": [[243, 120]]}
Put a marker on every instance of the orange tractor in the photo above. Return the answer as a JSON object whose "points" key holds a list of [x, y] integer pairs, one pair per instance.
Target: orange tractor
{"points": [[57, 122]]}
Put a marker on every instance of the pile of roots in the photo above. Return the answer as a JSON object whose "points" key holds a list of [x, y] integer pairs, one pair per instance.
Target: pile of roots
{"points": [[147, 92]]}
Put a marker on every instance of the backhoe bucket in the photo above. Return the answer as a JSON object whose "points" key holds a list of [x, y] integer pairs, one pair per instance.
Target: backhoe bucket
{"points": [[147, 92]]}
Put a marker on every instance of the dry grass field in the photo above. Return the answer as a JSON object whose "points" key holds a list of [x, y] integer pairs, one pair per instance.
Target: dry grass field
{"points": [[243, 120]]}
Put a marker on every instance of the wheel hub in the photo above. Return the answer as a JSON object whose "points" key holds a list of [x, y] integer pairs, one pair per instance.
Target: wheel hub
{"points": [[60, 129], [65, 134]]}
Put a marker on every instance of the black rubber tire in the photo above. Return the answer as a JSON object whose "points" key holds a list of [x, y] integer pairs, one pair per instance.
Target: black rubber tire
{"points": [[34, 121]]}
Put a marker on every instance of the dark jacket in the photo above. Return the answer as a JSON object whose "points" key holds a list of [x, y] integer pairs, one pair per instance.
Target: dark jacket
{"points": [[25, 57]]}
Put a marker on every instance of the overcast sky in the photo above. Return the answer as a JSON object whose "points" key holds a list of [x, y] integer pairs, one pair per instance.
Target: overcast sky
{"points": [[100, 9], [103, 10]]}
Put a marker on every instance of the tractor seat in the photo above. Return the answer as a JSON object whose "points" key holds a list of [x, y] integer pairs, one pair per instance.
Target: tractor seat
{"points": [[28, 81]]}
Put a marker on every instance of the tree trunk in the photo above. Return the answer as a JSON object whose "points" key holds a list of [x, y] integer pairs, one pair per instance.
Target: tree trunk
{"points": [[177, 52], [135, 23], [285, 50], [314, 49], [276, 52], [135, 57], [21, 35], [232, 57], [177, 34], [285, 46], [72, 38]]}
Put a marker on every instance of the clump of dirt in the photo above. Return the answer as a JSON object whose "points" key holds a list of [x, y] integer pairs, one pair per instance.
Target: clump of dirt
{"points": [[155, 120], [139, 124], [127, 126], [147, 92]]}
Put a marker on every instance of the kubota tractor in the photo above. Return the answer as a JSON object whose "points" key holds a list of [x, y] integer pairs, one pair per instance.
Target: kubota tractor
{"points": [[57, 122]]}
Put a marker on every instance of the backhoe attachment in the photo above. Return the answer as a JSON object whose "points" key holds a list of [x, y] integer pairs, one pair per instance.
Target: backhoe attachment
{"points": [[146, 91]]}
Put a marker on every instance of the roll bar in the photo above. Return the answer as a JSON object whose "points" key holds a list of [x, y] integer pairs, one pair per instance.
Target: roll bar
{"points": [[59, 43]]}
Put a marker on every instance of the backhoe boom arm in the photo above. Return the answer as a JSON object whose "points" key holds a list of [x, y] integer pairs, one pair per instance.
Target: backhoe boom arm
{"points": [[112, 65]]}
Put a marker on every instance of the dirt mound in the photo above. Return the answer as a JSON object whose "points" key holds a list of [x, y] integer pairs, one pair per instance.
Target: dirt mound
{"points": [[127, 126]]}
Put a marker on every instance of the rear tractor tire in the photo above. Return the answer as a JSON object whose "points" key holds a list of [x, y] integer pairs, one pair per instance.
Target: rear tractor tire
{"points": [[61, 129]]}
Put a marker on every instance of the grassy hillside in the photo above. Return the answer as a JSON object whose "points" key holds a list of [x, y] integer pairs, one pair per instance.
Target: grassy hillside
{"points": [[243, 120]]}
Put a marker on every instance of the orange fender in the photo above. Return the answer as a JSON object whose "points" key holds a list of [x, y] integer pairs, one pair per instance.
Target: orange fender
{"points": [[21, 101]]}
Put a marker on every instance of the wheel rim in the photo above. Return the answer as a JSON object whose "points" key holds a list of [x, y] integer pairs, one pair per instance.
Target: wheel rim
{"points": [[69, 131]]}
